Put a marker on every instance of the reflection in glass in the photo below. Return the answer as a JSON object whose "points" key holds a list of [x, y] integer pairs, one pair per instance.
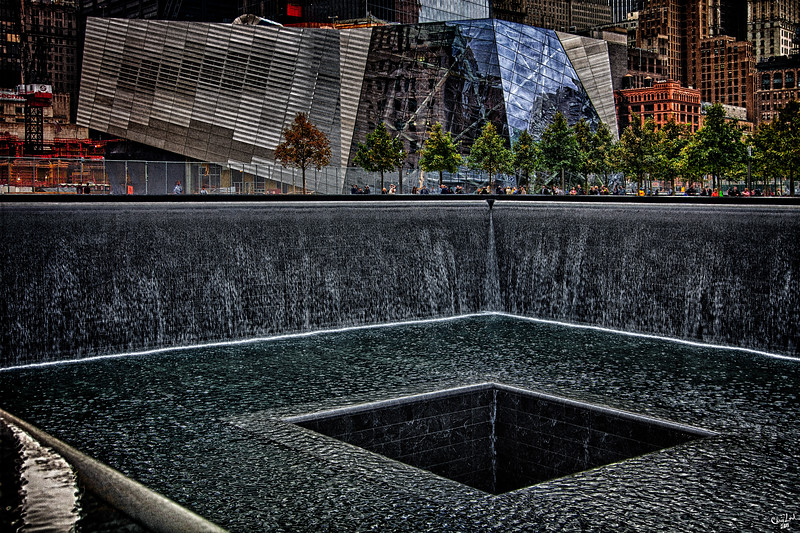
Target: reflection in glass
{"points": [[464, 73]]}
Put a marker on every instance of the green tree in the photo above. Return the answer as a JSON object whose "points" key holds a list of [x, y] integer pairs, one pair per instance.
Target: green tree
{"points": [[638, 150], [560, 151], [304, 146], [766, 159], [674, 138], [585, 138], [716, 148], [381, 153], [439, 153], [527, 158], [601, 158], [778, 144], [489, 153]]}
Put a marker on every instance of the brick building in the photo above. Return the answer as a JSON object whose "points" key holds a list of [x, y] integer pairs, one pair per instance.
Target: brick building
{"points": [[699, 44], [726, 70], [662, 101], [777, 84]]}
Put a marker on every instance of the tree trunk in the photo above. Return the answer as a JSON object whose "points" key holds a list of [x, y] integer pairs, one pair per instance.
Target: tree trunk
{"points": [[400, 180], [441, 172], [304, 180], [563, 182]]}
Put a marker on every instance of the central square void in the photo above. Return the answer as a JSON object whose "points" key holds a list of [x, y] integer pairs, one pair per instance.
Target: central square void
{"points": [[497, 438]]}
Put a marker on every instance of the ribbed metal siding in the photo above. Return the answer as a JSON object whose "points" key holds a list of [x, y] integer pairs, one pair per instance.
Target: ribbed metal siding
{"points": [[213, 92]]}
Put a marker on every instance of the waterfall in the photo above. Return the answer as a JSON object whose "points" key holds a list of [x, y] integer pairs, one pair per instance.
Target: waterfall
{"points": [[90, 280], [719, 274], [493, 298], [83, 280]]}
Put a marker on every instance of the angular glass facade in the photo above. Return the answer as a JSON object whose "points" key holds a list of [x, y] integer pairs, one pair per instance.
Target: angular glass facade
{"points": [[465, 73], [219, 92]]}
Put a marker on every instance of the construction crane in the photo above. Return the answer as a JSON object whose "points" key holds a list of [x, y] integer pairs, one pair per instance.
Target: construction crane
{"points": [[37, 97]]}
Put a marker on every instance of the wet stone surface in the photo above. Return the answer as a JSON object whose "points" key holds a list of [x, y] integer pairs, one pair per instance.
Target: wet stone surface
{"points": [[497, 438], [205, 428]]}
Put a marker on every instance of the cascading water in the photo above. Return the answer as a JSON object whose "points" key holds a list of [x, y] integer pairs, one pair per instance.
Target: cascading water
{"points": [[719, 274], [111, 278], [493, 298], [91, 280]]}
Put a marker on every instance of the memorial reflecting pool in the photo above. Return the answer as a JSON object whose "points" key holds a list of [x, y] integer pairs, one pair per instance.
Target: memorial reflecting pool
{"points": [[204, 427]]}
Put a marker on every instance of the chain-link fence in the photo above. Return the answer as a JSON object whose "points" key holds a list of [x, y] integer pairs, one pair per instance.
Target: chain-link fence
{"points": [[120, 177], [134, 177]]}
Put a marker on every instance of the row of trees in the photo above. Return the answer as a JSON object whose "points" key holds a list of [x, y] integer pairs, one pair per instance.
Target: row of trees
{"points": [[644, 153]]}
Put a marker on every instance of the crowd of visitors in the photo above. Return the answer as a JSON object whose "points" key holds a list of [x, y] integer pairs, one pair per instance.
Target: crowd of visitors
{"points": [[577, 190]]}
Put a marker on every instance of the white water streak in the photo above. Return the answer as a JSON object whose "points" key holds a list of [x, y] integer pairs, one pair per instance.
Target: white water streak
{"points": [[290, 336]]}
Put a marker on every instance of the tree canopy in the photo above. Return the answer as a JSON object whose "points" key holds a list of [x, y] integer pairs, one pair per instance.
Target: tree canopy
{"points": [[638, 149], [527, 158], [380, 153], [560, 151], [716, 148], [585, 138], [674, 138], [304, 145], [490, 154], [439, 153], [778, 145], [600, 160]]}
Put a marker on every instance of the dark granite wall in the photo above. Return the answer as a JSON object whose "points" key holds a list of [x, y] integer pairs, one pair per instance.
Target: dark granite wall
{"points": [[718, 274], [496, 438], [85, 280], [449, 435], [540, 439]]}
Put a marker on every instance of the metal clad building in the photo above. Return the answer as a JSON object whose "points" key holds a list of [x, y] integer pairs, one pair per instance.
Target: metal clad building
{"points": [[224, 93]]}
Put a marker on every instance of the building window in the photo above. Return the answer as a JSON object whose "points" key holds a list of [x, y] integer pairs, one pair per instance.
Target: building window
{"points": [[777, 81]]}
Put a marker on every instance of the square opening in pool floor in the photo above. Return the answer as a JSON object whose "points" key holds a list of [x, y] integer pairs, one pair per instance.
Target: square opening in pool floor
{"points": [[497, 438]]}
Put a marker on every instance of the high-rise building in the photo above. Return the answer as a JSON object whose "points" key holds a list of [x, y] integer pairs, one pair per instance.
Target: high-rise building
{"points": [[50, 31], [39, 43], [773, 27], [778, 82], [726, 72], [561, 15], [727, 17], [399, 11], [10, 44], [663, 31], [199, 10], [622, 9], [698, 43]]}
